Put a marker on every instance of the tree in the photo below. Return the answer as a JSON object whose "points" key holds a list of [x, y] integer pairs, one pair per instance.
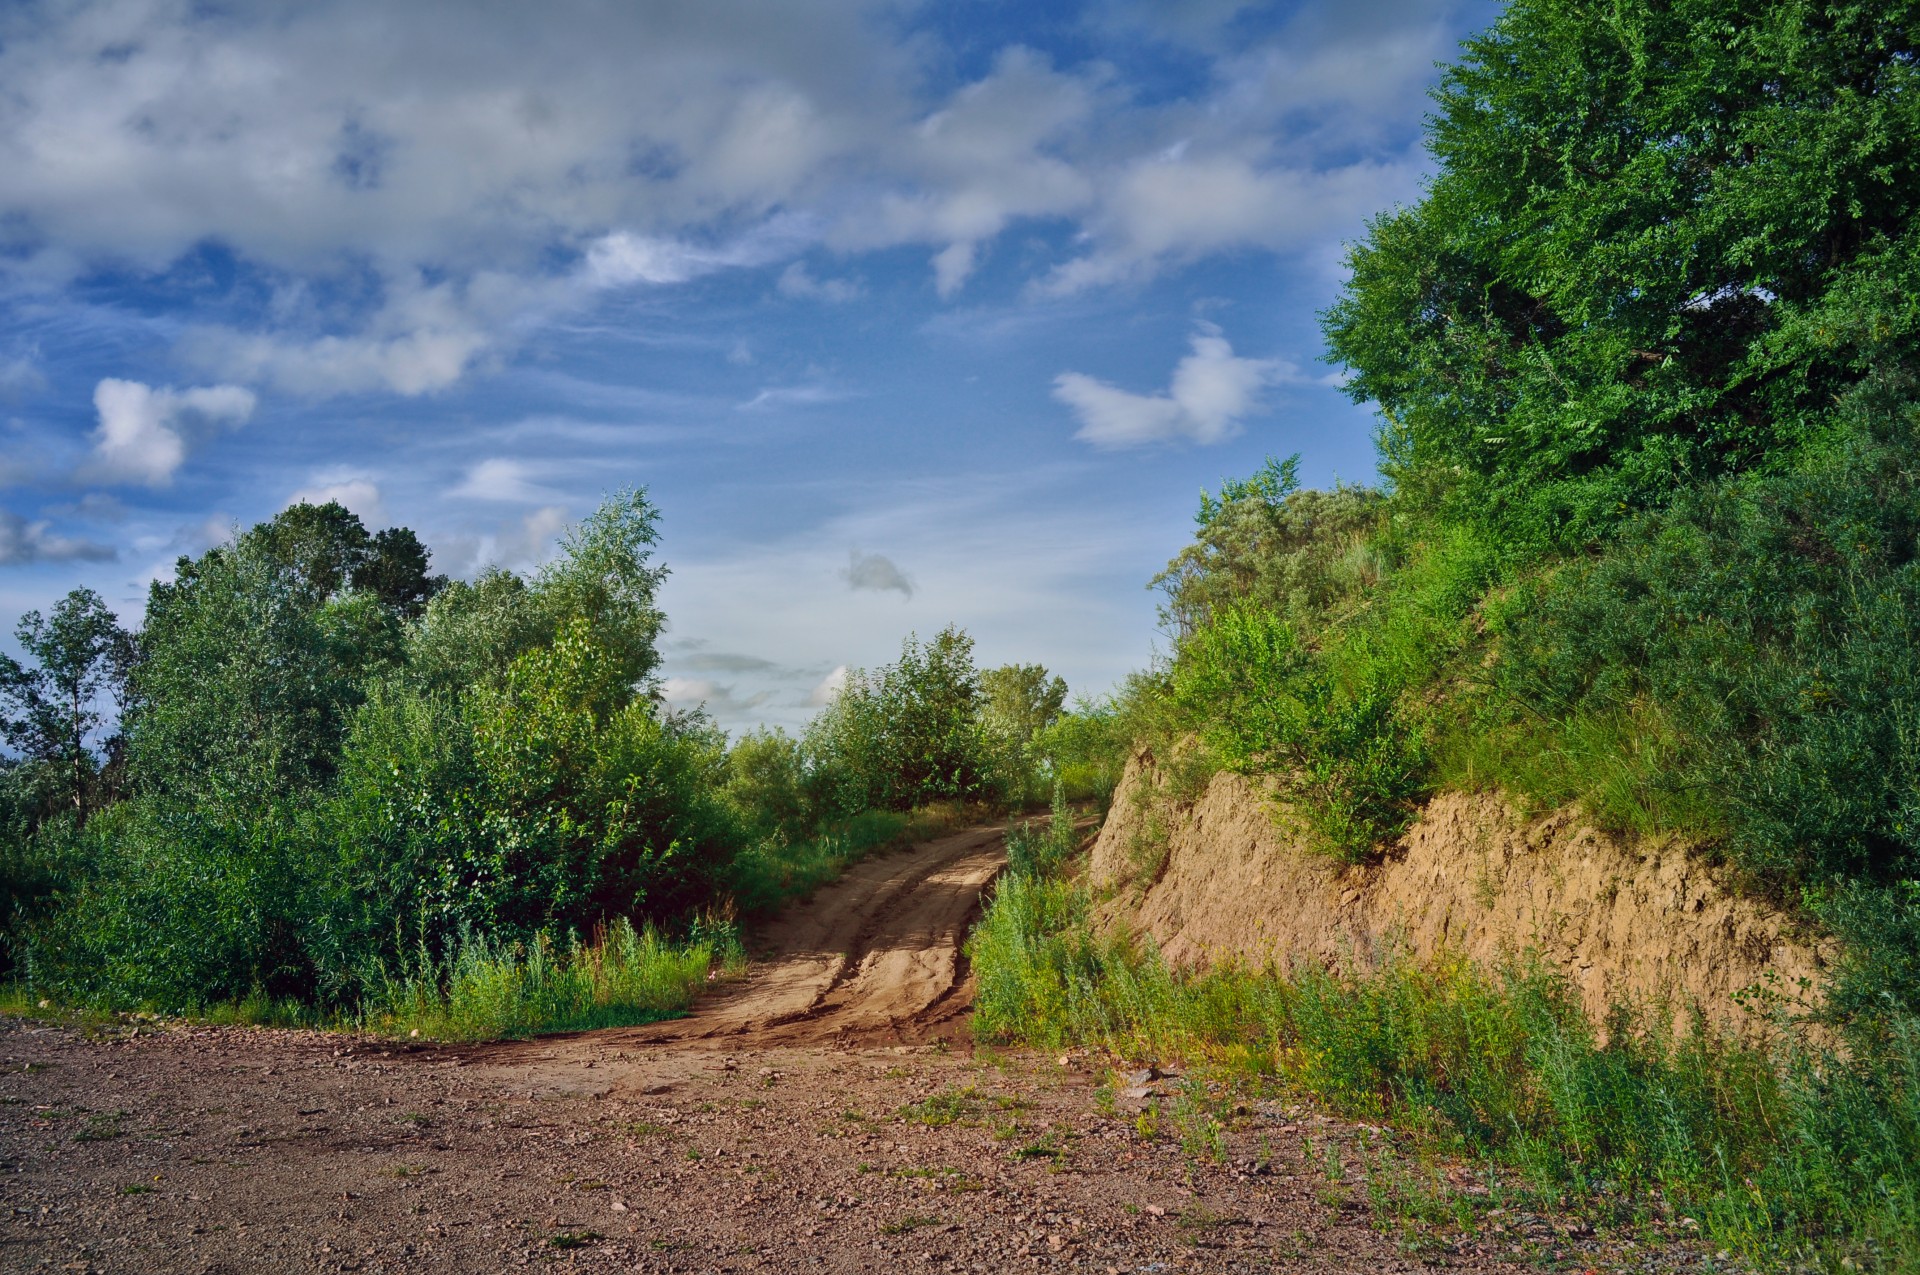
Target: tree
{"points": [[1663, 240], [906, 733], [50, 713], [1020, 700]]}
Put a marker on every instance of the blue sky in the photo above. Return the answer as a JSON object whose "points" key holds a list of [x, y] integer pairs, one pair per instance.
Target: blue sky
{"points": [[905, 314]]}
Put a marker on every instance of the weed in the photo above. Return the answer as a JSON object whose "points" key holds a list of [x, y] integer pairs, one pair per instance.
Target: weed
{"points": [[949, 1106], [1801, 1145], [906, 1225], [574, 1239], [1047, 1148]]}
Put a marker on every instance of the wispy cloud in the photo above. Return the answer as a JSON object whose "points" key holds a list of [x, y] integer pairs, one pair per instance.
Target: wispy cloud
{"points": [[23, 542], [502, 479]]}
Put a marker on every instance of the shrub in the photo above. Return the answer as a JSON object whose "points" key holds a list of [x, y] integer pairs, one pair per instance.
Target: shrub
{"points": [[906, 734]]}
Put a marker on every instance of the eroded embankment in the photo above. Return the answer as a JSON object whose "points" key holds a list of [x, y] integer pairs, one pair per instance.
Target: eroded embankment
{"points": [[1218, 878]]}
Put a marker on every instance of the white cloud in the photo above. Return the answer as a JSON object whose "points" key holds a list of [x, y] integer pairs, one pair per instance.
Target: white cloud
{"points": [[793, 395], [829, 686], [357, 492], [876, 572], [526, 544], [474, 179], [1173, 208], [144, 432], [23, 542], [622, 258], [1211, 392], [20, 376], [699, 692], [501, 479]]}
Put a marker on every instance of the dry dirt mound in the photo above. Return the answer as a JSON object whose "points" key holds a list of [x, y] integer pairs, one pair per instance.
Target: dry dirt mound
{"points": [[1219, 878]]}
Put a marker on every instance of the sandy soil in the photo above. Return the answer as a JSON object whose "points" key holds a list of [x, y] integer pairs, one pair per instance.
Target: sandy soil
{"points": [[823, 1115]]}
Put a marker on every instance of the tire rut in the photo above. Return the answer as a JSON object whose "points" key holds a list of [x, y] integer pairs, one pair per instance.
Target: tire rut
{"points": [[872, 959]]}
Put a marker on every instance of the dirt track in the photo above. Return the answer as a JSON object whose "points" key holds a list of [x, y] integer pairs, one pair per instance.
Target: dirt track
{"points": [[872, 959], [825, 1114]]}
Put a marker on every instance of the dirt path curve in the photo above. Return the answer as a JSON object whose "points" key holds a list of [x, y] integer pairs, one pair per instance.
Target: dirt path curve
{"points": [[872, 960]]}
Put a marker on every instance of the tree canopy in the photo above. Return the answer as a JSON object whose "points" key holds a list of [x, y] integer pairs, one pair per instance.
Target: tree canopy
{"points": [[1663, 239]]}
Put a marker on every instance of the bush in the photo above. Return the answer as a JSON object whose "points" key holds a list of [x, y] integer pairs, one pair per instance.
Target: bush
{"points": [[905, 735]]}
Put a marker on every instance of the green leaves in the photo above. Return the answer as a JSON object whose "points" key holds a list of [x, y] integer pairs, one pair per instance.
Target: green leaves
{"points": [[907, 733], [1346, 760], [1645, 260]]}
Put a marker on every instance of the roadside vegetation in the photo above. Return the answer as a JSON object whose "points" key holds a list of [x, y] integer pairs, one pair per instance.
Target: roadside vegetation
{"points": [[1648, 372], [320, 783]]}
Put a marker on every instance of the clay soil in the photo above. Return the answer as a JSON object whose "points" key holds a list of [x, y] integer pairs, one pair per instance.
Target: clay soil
{"points": [[824, 1113]]}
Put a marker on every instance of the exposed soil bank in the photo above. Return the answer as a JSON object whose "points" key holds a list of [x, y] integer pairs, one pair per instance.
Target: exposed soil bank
{"points": [[1219, 878]]}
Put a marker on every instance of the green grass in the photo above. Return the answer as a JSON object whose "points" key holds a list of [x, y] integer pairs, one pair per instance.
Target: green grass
{"points": [[1797, 1152], [496, 991]]}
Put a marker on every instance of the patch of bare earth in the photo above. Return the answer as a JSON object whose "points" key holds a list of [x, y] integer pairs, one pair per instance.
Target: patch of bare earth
{"points": [[824, 1114]]}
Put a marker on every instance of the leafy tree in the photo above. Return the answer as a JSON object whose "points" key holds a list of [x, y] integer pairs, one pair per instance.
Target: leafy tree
{"points": [[1301, 553], [1663, 239], [51, 712], [766, 780], [395, 570], [247, 684], [1020, 700], [259, 651], [328, 551], [905, 734]]}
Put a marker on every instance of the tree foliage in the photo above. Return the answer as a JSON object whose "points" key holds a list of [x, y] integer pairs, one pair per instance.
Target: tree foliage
{"points": [[907, 733], [50, 710], [1663, 238]]}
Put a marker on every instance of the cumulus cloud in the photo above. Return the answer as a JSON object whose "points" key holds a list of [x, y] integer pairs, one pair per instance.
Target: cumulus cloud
{"points": [[478, 178], [1211, 392], [525, 543], [827, 687], [359, 493], [699, 692], [143, 433], [1175, 207], [876, 572], [23, 542]]}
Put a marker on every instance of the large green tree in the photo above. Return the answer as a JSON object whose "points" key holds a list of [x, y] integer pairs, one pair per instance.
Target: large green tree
{"points": [[1664, 236]]}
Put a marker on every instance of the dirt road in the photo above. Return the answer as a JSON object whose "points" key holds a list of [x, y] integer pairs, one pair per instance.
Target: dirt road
{"points": [[823, 1115]]}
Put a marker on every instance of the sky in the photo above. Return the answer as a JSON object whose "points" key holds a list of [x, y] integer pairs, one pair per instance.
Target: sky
{"points": [[903, 314]]}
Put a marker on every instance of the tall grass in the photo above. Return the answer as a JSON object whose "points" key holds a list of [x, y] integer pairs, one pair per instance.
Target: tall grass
{"points": [[1796, 1149], [491, 990]]}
